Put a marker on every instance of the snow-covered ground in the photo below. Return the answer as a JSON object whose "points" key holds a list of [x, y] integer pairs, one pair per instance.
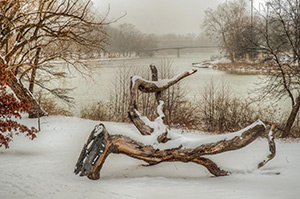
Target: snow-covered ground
{"points": [[43, 168]]}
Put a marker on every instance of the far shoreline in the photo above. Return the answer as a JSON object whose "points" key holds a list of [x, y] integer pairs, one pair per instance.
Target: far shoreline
{"points": [[240, 67]]}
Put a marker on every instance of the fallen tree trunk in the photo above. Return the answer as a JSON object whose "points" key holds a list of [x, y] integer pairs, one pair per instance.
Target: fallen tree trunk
{"points": [[100, 144]]}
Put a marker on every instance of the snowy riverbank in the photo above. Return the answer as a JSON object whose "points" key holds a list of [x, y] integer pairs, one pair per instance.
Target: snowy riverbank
{"points": [[43, 168], [239, 67]]}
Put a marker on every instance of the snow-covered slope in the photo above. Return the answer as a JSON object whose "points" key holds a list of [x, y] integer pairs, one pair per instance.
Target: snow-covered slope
{"points": [[43, 168]]}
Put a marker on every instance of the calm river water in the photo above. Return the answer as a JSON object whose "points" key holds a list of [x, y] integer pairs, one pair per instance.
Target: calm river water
{"points": [[91, 90]]}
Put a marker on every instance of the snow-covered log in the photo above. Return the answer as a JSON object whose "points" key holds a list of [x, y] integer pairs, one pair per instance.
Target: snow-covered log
{"points": [[100, 144], [159, 144]]}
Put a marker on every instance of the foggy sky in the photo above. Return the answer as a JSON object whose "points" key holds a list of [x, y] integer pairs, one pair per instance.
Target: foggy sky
{"points": [[160, 16]]}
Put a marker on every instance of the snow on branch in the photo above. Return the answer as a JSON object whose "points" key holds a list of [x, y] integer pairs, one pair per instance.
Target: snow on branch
{"points": [[103, 143], [190, 140], [143, 124], [158, 126], [148, 86]]}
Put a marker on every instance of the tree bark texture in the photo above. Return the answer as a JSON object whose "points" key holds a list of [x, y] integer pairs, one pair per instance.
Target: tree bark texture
{"points": [[291, 119], [22, 93], [100, 144], [34, 68], [155, 78]]}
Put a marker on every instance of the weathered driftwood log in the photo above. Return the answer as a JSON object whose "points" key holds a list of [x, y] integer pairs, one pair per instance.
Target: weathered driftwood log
{"points": [[100, 144]]}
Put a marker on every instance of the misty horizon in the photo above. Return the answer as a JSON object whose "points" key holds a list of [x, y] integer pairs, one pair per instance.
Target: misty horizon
{"points": [[160, 17]]}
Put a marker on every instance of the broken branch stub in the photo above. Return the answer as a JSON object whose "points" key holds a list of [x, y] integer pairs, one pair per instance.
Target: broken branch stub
{"points": [[155, 78], [93, 151]]}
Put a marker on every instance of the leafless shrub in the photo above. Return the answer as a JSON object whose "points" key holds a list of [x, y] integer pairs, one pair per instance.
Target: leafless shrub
{"points": [[117, 107], [220, 111], [118, 100], [185, 116], [52, 108], [97, 111], [295, 129]]}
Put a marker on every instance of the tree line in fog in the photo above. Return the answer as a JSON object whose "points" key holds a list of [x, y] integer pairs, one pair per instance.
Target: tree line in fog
{"points": [[126, 40]]}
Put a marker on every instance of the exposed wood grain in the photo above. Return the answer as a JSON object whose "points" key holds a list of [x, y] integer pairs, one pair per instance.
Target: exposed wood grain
{"points": [[101, 144]]}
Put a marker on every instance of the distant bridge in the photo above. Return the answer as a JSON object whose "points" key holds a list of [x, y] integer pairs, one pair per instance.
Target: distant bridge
{"points": [[178, 48]]}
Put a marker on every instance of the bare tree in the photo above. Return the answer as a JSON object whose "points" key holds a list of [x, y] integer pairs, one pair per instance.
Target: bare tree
{"points": [[279, 33], [230, 25], [126, 39], [34, 32]]}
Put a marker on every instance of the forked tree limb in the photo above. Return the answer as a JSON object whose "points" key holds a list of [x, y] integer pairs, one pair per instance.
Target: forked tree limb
{"points": [[163, 138], [147, 86], [100, 144]]}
